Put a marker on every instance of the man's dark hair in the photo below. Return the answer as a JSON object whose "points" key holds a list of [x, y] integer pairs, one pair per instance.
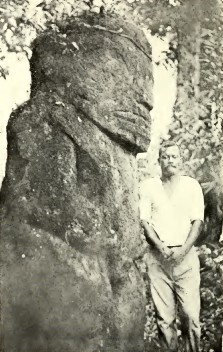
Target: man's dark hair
{"points": [[167, 144]]}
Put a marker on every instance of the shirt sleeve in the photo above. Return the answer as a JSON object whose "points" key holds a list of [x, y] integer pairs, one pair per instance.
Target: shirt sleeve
{"points": [[144, 202], [197, 203]]}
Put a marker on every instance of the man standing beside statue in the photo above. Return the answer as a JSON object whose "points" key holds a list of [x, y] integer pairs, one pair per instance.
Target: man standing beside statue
{"points": [[172, 212]]}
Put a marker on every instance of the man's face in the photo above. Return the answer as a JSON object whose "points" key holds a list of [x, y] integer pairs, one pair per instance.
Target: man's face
{"points": [[170, 161]]}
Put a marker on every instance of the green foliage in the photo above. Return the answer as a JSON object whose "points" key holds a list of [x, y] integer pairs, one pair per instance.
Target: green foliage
{"points": [[211, 258], [198, 117], [22, 20], [198, 114]]}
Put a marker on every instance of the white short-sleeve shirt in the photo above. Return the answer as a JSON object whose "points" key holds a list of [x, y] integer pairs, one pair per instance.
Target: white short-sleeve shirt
{"points": [[172, 214]]}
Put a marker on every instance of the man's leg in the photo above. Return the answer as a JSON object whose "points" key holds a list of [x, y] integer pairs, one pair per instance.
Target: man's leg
{"points": [[164, 302], [187, 285]]}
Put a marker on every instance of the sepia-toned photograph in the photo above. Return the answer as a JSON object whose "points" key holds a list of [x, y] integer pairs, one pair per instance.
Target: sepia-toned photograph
{"points": [[111, 176]]}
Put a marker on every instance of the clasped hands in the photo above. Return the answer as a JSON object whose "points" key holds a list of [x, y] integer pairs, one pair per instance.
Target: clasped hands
{"points": [[174, 255]]}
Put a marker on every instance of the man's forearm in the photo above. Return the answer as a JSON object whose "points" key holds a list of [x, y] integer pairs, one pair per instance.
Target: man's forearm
{"points": [[151, 235], [193, 234]]}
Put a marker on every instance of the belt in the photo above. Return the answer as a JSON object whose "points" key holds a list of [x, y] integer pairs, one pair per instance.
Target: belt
{"points": [[174, 246]]}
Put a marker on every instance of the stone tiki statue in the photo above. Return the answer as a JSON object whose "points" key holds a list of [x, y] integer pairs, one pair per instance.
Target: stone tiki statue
{"points": [[69, 215]]}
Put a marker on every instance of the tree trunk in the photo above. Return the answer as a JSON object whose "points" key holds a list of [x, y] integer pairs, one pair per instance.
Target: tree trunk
{"points": [[186, 107]]}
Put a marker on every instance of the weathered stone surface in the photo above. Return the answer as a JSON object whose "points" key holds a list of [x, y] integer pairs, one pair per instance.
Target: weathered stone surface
{"points": [[69, 218]]}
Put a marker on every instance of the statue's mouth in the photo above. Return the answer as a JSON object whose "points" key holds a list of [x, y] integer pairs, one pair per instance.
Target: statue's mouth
{"points": [[132, 127], [133, 121], [131, 116]]}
